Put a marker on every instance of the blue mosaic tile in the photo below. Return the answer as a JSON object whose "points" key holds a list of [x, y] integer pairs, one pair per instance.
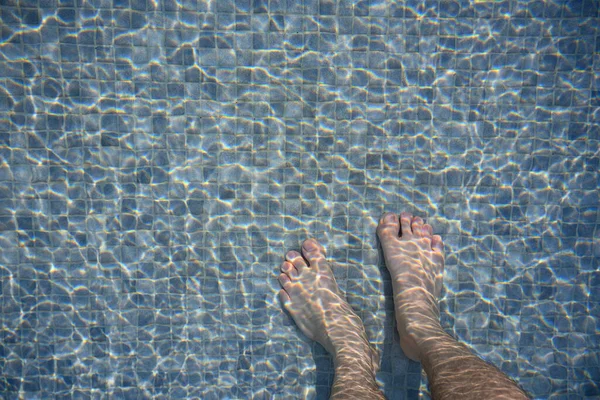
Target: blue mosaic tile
{"points": [[159, 162]]}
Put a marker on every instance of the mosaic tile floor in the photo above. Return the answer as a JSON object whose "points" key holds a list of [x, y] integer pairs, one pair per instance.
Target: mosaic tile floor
{"points": [[157, 159]]}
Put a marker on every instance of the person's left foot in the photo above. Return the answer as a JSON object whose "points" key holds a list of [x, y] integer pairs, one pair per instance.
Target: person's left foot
{"points": [[312, 297]]}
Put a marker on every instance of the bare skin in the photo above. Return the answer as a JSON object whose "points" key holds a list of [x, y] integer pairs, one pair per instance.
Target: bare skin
{"points": [[312, 297], [415, 259]]}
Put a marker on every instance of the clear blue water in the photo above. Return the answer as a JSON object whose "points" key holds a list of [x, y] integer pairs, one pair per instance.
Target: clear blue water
{"points": [[157, 159]]}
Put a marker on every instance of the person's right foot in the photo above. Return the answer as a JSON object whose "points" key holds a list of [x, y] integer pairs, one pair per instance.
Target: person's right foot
{"points": [[415, 259]]}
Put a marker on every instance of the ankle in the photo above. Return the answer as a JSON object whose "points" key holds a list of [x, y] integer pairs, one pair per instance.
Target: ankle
{"points": [[357, 364], [430, 339], [355, 379], [418, 336], [355, 353]]}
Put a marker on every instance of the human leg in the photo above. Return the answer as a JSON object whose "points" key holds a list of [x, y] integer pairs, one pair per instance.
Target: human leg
{"points": [[312, 297], [415, 259]]}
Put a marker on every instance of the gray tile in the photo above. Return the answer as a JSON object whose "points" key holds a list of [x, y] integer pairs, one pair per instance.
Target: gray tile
{"points": [[158, 170]]}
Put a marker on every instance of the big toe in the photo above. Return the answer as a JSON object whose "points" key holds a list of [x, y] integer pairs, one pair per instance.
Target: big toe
{"points": [[296, 260], [389, 226], [314, 253]]}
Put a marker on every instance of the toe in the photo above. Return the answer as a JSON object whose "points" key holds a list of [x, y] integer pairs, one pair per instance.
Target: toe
{"points": [[388, 226], [417, 226], [296, 259], [311, 245], [289, 269], [427, 231], [313, 252], [284, 281], [436, 243], [405, 219], [285, 298]]}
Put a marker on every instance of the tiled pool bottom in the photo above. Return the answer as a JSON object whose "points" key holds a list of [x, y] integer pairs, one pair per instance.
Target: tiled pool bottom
{"points": [[157, 159]]}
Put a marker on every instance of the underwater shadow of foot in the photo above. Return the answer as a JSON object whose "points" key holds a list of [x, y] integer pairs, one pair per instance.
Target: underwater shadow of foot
{"points": [[324, 370]]}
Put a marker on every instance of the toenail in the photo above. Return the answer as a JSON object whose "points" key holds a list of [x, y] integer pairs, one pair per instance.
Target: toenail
{"points": [[390, 217], [291, 254], [310, 245]]}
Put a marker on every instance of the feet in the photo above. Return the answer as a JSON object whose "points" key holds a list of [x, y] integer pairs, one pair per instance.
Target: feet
{"points": [[415, 259], [414, 256], [312, 297]]}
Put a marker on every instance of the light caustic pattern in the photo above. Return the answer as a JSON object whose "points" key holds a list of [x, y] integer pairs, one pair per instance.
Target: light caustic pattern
{"points": [[157, 160]]}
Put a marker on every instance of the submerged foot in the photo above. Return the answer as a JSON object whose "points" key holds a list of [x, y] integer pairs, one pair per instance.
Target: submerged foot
{"points": [[414, 256], [312, 297]]}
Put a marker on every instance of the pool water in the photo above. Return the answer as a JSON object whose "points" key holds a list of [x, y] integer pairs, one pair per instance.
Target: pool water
{"points": [[158, 158]]}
